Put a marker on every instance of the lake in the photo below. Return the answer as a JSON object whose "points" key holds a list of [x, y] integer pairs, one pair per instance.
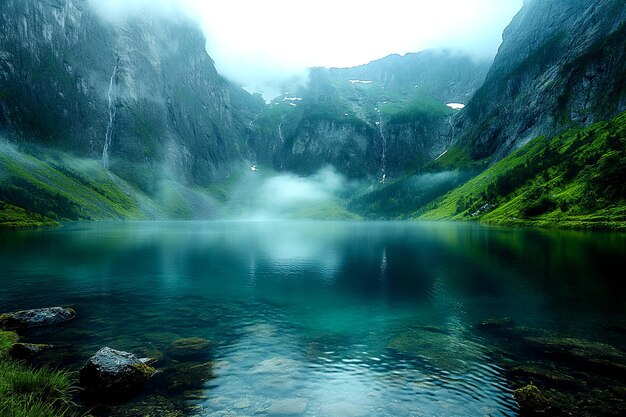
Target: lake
{"points": [[333, 318]]}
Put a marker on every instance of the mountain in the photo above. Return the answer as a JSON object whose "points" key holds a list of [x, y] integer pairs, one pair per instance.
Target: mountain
{"points": [[373, 120], [562, 64], [139, 92], [572, 180], [128, 118], [447, 76], [533, 139]]}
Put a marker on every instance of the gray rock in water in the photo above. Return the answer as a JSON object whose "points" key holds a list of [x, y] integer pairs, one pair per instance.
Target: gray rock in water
{"points": [[112, 372], [26, 319]]}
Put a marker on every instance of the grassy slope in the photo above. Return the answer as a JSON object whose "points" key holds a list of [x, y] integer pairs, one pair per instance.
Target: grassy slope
{"points": [[28, 392], [575, 180], [12, 217], [42, 187], [420, 107]]}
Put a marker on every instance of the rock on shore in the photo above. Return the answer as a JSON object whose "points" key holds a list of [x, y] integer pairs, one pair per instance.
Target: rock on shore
{"points": [[26, 319]]}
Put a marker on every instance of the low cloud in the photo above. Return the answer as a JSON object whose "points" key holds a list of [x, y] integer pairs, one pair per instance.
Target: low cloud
{"points": [[285, 195], [258, 44]]}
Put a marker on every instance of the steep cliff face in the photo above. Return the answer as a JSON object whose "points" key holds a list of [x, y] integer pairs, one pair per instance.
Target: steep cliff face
{"points": [[375, 120], [140, 93], [562, 63]]}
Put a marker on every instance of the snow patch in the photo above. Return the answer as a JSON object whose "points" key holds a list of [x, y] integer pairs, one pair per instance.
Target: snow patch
{"points": [[456, 106], [292, 99], [360, 81]]}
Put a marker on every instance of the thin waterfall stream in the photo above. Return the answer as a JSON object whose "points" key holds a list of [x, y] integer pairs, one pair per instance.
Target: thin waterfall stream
{"points": [[109, 131]]}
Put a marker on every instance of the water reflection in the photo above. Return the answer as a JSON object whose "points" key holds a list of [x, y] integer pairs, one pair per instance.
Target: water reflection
{"points": [[315, 318]]}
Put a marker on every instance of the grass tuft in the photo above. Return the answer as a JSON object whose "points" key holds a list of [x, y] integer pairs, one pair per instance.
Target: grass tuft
{"points": [[29, 392]]}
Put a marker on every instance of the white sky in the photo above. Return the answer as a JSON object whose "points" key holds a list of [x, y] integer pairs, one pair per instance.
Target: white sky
{"points": [[255, 41]]}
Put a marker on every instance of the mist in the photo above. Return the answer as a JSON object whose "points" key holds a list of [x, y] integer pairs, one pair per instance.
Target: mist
{"points": [[259, 44], [279, 196]]}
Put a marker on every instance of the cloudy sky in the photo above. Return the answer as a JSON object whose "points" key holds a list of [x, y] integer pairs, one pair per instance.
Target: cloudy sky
{"points": [[259, 41]]}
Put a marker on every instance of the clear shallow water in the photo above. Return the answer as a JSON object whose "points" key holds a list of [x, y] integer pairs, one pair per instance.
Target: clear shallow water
{"points": [[314, 318]]}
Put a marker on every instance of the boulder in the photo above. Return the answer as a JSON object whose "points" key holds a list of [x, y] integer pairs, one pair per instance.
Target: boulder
{"points": [[26, 319], [112, 372], [531, 401]]}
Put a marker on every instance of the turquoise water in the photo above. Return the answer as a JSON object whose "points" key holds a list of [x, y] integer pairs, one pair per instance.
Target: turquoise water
{"points": [[315, 318]]}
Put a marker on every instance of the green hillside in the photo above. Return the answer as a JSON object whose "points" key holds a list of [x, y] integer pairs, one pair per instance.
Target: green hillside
{"points": [[575, 180], [42, 187]]}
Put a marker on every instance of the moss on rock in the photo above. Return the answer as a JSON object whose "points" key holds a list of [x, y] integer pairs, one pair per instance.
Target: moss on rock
{"points": [[531, 400]]}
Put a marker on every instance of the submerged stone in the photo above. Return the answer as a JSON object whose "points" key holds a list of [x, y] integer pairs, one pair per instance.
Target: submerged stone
{"points": [[598, 356], [190, 348], [288, 406], [497, 325], [187, 376], [531, 401], [154, 406], [112, 372], [547, 375], [439, 349], [26, 319], [277, 365], [343, 409]]}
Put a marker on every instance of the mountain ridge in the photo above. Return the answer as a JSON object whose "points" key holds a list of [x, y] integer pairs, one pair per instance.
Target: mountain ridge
{"points": [[558, 66], [168, 137]]}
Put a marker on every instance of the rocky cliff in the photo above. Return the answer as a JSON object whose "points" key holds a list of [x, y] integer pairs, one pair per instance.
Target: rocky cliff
{"points": [[374, 120], [562, 63], [140, 92]]}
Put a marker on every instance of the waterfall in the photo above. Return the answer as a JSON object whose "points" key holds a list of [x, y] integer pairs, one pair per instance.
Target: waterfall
{"points": [[280, 132], [383, 157], [109, 131]]}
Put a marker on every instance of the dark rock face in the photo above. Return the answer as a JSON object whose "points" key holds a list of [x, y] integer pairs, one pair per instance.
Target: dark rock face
{"points": [[359, 119], [561, 63], [74, 80], [351, 147], [112, 372], [26, 319], [355, 148]]}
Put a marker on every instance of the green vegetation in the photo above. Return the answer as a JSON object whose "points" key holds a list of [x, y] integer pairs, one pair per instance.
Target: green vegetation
{"points": [[12, 217], [331, 210], [42, 187], [457, 158], [575, 180], [421, 108], [29, 392], [395, 200]]}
